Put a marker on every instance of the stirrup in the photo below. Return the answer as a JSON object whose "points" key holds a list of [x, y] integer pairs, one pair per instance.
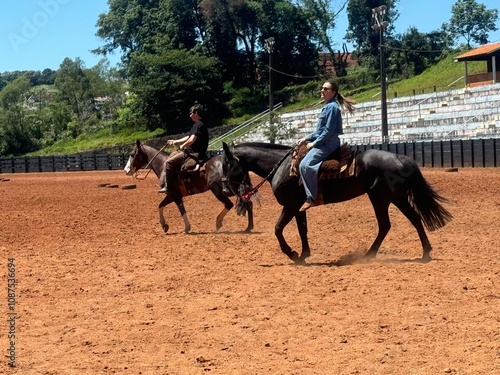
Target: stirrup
{"points": [[307, 205]]}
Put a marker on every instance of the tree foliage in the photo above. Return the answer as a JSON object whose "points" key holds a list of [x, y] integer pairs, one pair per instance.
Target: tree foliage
{"points": [[360, 18], [413, 52], [228, 34], [80, 101], [321, 18], [179, 52], [14, 120], [472, 21], [166, 84]]}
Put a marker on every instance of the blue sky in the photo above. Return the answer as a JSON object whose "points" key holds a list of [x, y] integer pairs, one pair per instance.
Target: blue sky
{"points": [[39, 34], [425, 15]]}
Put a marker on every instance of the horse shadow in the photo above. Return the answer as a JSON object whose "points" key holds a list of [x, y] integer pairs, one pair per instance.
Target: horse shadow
{"points": [[194, 233], [354, 259]]}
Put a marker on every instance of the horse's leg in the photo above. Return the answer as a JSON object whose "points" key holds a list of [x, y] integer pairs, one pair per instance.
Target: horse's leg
{"points": [[285, 218], [250, 218], [301, 219], [220, 218], [166, 201], [217, 191], [180, 205], [381, 207], [406, 208]]}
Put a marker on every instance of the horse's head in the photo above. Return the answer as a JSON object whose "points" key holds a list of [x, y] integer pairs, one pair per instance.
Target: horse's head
{"points": [[137, 159], [233, 174]]}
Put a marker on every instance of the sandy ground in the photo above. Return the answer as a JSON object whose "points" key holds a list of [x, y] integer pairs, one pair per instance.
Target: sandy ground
{"points": [[101, 289]]}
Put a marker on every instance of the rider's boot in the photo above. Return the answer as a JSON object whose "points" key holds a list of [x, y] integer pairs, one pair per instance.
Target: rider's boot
{"points": [[163, 188]]}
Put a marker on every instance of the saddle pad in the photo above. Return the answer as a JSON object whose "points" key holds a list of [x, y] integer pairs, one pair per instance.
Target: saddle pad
{"points": [[337, 163]]}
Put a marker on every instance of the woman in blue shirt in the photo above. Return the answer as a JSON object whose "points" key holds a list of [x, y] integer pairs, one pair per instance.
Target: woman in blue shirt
{"points": [[324, 140]]}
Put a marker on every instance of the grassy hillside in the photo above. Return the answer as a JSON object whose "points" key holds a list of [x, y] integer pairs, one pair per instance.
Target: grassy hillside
{"points": [[446, 75], [96, 142]]}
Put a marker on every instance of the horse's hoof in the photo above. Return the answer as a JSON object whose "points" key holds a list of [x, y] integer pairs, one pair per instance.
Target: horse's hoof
{"points": [[305, 254], [370, 255], [165, 229], [426, 258], [297, 259], [300, 261]]}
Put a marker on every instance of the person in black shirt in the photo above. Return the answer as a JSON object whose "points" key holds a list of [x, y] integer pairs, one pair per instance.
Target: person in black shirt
{"points": [[193, 145]]}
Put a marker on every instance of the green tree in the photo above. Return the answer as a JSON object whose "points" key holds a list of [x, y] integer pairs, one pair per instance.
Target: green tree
{"points": [[232, 32], [108, 88], [295, 49], [413, 52], [361, 33], [14, 122], [276, 130], [472, 21], [55, 118], [48, 77], [322, 17], [232, 36], [167, 85], [74, 88], [136, 26]]}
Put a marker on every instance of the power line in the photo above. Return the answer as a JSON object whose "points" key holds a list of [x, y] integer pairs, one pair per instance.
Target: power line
{"points": [[295, 75], [415, 50]]}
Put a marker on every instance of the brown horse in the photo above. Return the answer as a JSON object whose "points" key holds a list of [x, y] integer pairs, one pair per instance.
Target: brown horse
{"points": [[194, 182]]}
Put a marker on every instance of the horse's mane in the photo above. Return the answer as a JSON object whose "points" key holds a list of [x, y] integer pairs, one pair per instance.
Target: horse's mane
{"points": [[271, 146], [161, 154]]}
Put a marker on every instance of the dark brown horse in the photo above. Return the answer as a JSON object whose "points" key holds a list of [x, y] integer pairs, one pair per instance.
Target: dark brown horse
{"points": [[386, 178], [207, 178]]}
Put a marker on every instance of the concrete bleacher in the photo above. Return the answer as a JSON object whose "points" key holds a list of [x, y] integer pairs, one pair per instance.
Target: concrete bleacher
{"points": [[463, 113]]}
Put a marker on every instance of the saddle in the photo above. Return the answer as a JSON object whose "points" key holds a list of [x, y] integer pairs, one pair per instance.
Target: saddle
{"points": [[189, 168], [340, 164]]}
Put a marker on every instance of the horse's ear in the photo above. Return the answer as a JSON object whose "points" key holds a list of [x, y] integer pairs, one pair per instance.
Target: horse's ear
{"points": [[138, 143], [227, 151], [229, 154]]}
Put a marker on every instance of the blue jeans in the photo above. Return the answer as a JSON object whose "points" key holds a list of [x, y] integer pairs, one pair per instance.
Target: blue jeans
{"points": [[309, 166]]}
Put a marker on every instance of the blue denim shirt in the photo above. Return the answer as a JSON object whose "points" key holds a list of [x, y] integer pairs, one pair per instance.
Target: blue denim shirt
{"points": [[329, 124]]}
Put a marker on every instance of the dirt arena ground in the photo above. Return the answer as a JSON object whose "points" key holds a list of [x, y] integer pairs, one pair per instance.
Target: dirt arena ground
{"points": [[101, 289]]}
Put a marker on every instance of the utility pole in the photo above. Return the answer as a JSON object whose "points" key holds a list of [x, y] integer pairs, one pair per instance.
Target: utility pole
{"points": [[379, 25], [269, 44]]}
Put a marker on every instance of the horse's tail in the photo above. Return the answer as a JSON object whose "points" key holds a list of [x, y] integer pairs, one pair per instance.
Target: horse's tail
{"points": [[425, 199]]}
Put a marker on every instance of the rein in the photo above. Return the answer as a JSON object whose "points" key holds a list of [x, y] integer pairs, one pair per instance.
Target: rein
{"points": [[147, 165], [250, 193]]}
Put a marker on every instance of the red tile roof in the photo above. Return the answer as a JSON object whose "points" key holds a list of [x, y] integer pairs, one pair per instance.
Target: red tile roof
{"points": [[480, 53]]}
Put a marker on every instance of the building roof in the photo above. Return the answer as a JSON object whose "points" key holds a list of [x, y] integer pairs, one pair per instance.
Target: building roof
{"points": [[481, 53]]}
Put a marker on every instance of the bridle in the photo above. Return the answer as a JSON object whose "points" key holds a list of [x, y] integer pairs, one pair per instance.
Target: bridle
{"points": [[233, 166], [146, 167], [246, 195]]}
